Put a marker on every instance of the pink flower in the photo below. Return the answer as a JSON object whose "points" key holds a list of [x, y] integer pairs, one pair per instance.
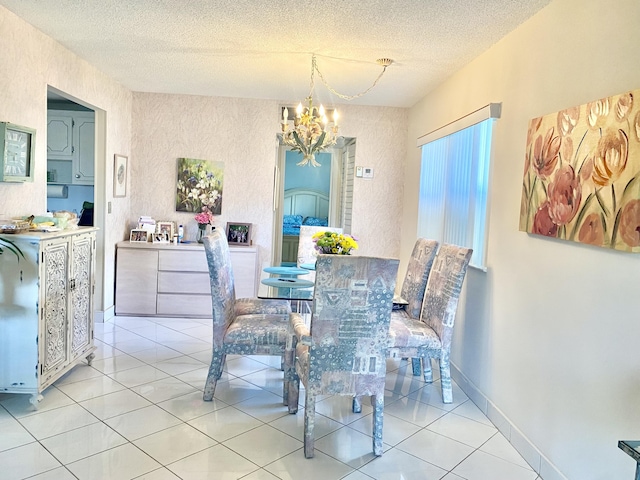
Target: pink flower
{"points": [[565, 195], [204, 218]]}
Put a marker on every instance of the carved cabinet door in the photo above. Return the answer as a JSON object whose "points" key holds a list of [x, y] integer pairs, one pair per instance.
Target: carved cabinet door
{"points": [[55, 307], [80, 289]]}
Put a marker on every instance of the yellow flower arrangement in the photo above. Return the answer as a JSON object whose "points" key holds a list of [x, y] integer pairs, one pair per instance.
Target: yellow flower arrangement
{"points": [[335, 243]]}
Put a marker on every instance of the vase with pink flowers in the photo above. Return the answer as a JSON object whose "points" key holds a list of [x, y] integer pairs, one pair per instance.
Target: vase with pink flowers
{"points": [[204, 219]]}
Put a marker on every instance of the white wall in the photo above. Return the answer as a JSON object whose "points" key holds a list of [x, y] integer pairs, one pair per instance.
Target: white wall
{"points": [[31, 61], [550, 333], [242, 134]]}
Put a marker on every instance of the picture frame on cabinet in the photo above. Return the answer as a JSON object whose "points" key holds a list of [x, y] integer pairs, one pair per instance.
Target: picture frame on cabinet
{"points": [[138, 235], [166, 227], [239, 234], [160, 237], [119, 175]]}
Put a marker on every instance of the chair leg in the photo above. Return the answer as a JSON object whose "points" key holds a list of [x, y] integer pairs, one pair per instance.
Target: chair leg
{"points": [[215, 372], [224, 360], [445, 379], [356, 405], [309, 421], [426, 368], [378, 412], [292, 381], [415, 366]]}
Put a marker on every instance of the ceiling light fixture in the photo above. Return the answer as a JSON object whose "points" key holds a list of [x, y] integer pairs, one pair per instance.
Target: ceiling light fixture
{"points": [[312, 131]]}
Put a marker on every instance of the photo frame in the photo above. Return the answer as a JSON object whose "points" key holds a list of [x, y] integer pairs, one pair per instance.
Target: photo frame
{"points": [[138, 235], [160, 237], [166, 227], [119, 175], [239, 233]]}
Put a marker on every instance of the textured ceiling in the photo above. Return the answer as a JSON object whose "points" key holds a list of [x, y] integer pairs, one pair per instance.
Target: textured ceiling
{"points": [[262, 48]]}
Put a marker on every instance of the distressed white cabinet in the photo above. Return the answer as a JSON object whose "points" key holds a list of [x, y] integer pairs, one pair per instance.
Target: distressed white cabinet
{"points": [[173, 280], [46, 307], [71, 136]]}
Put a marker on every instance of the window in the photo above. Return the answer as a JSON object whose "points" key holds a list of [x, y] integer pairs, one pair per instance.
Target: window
{"points": [[454, 179]]}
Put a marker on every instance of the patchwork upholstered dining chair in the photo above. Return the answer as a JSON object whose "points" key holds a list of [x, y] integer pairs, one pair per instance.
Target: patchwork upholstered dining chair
{"points": [[413, 287], [343, 351], [430, 336], [248, 326]]}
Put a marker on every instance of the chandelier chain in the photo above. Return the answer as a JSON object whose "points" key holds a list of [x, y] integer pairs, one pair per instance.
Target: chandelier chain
{"points": [[314, 68]]}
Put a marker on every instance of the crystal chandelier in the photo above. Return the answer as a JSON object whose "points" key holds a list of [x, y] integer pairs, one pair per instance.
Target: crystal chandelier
{"points": [[312, 131]]}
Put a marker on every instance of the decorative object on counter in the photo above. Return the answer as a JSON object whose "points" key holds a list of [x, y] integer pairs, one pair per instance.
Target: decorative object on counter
{"points": [[166, 227], [139, 235], [239, 233], [311, 132], [119, 176], [582, 174], [11, 227], [199, 185], [204, 219], [17, 153], [335, 243], [180, 233], [147, 224]]}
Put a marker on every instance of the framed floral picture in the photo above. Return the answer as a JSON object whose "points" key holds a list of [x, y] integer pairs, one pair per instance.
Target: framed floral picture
{"points": [[582, 174], [199, 185]]}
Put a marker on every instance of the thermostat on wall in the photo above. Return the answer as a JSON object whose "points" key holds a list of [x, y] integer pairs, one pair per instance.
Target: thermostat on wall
{"points": [[367, 172]]}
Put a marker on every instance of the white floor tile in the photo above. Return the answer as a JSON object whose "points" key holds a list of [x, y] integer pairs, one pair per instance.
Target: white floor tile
{"points": [[348, 446], [94, 387], [413, 411], [339, 408], [470, 410], [159, 353], [321, 467], [293, 425], [241, 366], [269, 379], [114, 404], [60, 473], [214, 462], [189, 346], [60, 420], [117, 363], [396, 464], [13, 434], [265, 406], [83, 442], [500, 447], [164, 389], [432, 394], [178, 365], [263, 445], [357, 475], [197, 378], [480, 466], [225, 423], [125, 461], [235, 390], [134, 345], [137, 376], [19, 406], [190, 406], [174, 443], [78, 373], [402, 381], [394, 429], [463, 429], [436, 449], [142, 422], [25, 461], [159, 474]]}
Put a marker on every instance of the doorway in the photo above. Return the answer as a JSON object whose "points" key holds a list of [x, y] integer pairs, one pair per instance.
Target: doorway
{"points": [[306, 195]]}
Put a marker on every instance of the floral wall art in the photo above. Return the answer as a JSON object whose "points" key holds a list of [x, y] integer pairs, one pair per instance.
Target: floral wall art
{"points": [[199, 185], [581, 176]]}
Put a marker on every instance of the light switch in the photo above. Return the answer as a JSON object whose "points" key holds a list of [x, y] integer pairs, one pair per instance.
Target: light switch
{"points": [[358, 171], [108, 207]]}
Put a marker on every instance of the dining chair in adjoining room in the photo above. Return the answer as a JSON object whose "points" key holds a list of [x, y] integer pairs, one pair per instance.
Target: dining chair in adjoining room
{"points": [[430, 336], [343, 351], [248, 326]]}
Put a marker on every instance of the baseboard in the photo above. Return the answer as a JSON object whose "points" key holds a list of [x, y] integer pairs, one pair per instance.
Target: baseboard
{"points": [[540, 464], [101, 317]]}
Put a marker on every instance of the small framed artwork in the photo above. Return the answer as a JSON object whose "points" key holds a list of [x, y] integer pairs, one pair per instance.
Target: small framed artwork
{"points": [[119, 176], [139, 235], [239, 233], [17, 153], [160, 237], [166, 227]]}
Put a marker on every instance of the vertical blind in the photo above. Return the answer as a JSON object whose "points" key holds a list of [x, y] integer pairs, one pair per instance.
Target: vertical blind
{"points": [[454, 180]]}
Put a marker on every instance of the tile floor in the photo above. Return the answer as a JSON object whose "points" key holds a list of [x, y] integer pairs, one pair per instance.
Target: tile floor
{"points": [[137, 412]]}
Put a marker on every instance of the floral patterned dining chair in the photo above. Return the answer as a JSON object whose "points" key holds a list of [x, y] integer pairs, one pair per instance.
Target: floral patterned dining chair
{"points": [[246, 326], [343, 352], [430, 336]]}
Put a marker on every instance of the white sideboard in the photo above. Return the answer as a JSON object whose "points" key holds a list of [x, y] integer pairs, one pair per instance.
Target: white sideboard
{"points": [[46, 307], [173, 280]]}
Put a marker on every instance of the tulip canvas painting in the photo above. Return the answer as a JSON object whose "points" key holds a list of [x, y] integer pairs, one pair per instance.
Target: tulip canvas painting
{"points": [[581, 174]]}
